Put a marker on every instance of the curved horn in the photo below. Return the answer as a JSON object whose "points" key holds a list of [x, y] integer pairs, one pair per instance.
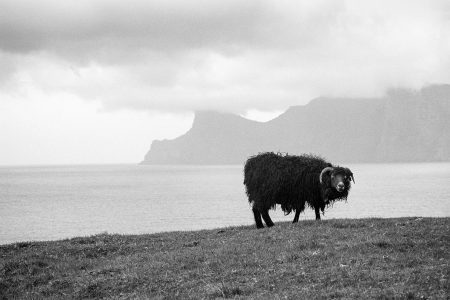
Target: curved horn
{"points": [[353, 178], [325, 170]]}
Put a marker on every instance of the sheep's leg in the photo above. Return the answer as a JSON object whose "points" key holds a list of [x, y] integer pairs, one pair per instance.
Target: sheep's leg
{"points": [[257, 215], [267, 219], [317, 209], [297, 215], [298, 210]]}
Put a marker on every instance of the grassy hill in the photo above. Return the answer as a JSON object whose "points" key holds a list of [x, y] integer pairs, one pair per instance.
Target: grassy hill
{"points": [[365, 258]]}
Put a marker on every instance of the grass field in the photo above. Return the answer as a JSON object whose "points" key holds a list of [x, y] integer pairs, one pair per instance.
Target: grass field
{"points": [[365, 258]]}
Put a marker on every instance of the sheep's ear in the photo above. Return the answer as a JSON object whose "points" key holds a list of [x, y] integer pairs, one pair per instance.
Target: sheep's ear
{"points": [[351, 176], [325, 170]]}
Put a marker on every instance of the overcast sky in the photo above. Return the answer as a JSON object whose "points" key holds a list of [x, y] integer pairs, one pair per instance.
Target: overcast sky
{"points": [[89, 81]]}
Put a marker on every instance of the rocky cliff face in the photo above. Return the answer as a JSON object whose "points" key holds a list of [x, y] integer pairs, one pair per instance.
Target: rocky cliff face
{"points": [[403, 126]]}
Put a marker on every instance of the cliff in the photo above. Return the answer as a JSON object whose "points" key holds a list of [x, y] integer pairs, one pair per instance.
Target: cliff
{"points": [[409, 126]]}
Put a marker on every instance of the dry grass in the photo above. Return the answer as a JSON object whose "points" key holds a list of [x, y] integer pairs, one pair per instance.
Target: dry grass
{"points": [[366, 258]]}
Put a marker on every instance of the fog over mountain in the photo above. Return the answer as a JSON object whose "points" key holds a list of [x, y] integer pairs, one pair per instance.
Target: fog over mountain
{"points": [[403, 126], [85, 81]]}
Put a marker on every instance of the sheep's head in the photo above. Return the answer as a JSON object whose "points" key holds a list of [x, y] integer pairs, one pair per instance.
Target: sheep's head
{"points": [[339, 178]]}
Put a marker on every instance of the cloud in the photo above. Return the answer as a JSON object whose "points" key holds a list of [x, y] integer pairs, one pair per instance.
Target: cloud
{"points": [[220, 55]]}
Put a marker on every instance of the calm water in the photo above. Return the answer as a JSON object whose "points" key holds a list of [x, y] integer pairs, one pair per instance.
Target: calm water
{"points": [[46, 203]]}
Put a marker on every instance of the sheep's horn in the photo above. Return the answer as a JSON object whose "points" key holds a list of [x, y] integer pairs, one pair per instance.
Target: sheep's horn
{"points": [[353, 178], [325, 170]]}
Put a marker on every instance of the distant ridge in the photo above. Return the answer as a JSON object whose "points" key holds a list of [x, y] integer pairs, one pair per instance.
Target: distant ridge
{"points": [[404, 126]]}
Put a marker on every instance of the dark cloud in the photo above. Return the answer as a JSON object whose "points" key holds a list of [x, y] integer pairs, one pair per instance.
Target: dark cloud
{"points": [[223, 55], [128, 25]]}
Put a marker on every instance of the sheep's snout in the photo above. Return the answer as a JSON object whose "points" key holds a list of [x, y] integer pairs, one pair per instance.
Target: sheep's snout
{"points": [[340, 187]]}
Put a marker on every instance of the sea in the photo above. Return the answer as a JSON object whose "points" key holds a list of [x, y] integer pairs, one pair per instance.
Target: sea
{"points": [[41, 203]]}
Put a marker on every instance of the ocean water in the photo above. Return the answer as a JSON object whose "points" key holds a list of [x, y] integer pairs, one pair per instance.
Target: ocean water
{"points": [[48, 203]]}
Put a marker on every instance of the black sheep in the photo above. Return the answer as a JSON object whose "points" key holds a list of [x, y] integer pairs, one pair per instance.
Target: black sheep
{"points": [[293, 181]]}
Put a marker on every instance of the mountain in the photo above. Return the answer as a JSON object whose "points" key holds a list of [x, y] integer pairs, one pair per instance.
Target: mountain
{"points": [[403, 126]]}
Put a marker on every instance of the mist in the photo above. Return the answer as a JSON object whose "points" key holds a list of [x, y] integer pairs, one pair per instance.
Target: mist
{"points": [[224, 56]]}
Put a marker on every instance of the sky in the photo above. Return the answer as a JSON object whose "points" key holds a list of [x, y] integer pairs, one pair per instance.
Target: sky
{"points": [[95, 81]]}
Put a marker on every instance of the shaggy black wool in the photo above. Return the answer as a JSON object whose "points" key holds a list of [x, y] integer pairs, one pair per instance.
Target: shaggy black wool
{"points": [[292, 182]]}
